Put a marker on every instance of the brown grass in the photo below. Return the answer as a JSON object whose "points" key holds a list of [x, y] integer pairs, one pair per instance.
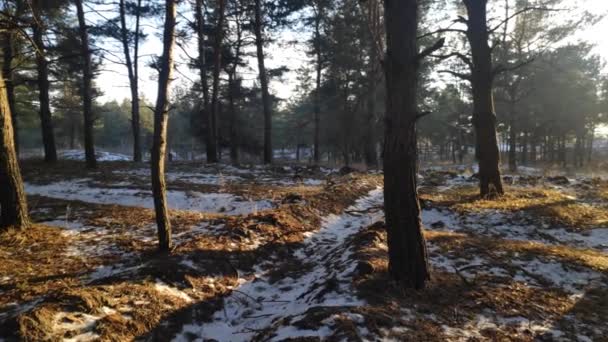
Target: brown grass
{"points": [[558, 207], [38, 268], [453, 301]]}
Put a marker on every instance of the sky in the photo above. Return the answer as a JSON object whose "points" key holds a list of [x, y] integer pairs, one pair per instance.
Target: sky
{"points": [[114, 85]]}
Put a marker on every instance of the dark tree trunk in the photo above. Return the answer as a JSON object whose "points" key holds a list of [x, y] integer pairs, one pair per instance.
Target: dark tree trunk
{"points": [[232, 89], [533, 145], [161, 116], [234, 147], [7, 73], [371, 159], [259, 43], [408, 262], [512, 145], [212, 149], [199, 19], [131, 65], [562, 150], [484, 118], [524, 149], [46, 121], [87, 89], [13, 203], [73, 134], [590, 144], [319, 66]]}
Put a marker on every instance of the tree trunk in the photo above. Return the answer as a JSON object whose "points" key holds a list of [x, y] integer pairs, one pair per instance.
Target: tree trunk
{"points": [[199, 19], [13, 203], [524, 149], [484, 118], [234, 147], [87, 89], [317, 98], [161, 116], [259, 43], [46, 121], [371, 159], [133, 81], [7, 73], [562, 150], [217, 64], [232, 89], [408, 262], [590, 144], [512, 145]]}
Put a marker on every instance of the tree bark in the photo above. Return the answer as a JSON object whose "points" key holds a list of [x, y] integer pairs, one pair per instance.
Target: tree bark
{"points": [[161, 118], [234, 149], [484, 117], [217, 65], [259, 43], [512, 144], [133, 80], [199, 21], [13, 203], [371, 159], [87, 89], [317, 98], [408, 262], [524, 149], [7, 73], [46, 120], [590, 144], [232, 89]]}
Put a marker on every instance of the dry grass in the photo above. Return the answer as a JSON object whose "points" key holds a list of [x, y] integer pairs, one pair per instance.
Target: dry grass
{"points": [[450, 300], [557, 207], [37, 267]]}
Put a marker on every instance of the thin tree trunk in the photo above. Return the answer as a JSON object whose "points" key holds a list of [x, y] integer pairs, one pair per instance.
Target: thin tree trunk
{"points": [[199, 19], [46, 121], [133, 82], [234, 149], [590, 145], [87, 89], [259, 43], [217, 64], [524, 149], [161, 116], [317, 98], [13, 203], [484, 117], [7, 73], [232, 89], [562, 150], [512, 144], [408, 261], [371, 159]]}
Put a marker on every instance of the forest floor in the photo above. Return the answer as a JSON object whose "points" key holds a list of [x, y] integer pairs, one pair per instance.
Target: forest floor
{"points": [[292, 252]]}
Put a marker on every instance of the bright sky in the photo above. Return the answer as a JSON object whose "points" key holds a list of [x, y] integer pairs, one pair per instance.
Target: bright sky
{"points": [[114, 83]]}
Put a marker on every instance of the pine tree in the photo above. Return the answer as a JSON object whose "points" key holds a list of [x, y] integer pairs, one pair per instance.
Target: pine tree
{"points": [[161, 116]]}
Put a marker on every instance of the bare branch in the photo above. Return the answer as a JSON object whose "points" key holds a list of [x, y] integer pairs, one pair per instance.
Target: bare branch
{"points": [[429, 50], [445, 30], [523, 10], [466, 77], [499, 69], [462, 57]]}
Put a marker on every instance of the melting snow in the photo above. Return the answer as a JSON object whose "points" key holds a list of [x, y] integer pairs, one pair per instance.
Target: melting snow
{"points": [[193, 200], [259, 303]]}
